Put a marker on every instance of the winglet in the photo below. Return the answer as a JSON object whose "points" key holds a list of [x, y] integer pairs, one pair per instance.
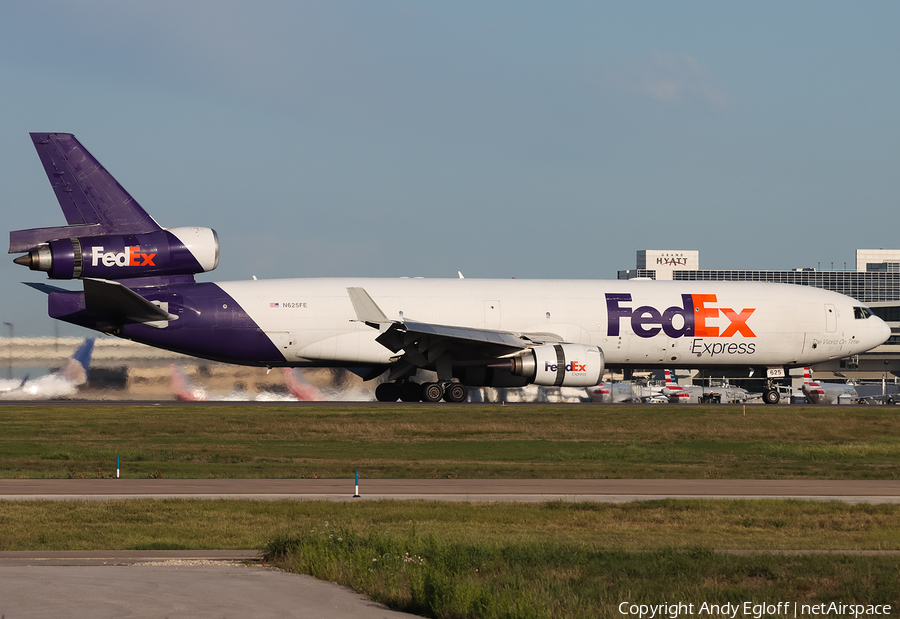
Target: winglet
{"points": [[366, 309]]}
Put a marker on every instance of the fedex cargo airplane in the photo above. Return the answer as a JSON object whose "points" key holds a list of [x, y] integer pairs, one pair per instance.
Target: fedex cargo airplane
{"points": [[139, 283]]}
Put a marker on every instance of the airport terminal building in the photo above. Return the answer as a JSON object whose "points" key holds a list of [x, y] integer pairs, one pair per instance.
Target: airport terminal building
{"points": [[875, 282]]}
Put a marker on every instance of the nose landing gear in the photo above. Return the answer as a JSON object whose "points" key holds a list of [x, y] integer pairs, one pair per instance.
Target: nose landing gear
{"points": [[771, 394]]}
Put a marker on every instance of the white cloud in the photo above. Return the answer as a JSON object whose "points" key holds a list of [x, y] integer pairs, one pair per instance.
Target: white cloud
{"points": [[672, 78]]}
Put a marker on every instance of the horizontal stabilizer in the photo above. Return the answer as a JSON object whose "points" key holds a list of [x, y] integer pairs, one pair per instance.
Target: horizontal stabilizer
{"points": [[45, 288], [113, 298]]}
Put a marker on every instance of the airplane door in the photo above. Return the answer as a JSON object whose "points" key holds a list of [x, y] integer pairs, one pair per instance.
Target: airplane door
{"points": [[492, 314], [284, 340], [830, 318]]}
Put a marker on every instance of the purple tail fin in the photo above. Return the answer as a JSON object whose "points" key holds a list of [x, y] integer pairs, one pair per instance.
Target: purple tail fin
{"points": [[92, 200]]}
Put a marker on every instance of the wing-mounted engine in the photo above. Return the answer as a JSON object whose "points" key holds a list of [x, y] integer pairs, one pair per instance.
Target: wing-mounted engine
{"points": [[474, 356], [560, 365], [176, 251]]}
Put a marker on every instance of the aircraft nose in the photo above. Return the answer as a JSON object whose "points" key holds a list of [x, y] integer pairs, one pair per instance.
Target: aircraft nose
{"points": [[885, 332], [877, 333]]}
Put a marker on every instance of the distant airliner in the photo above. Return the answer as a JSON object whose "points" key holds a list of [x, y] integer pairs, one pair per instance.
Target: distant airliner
{"points": [[139, 284], [825, 393], [615, 392], [691, 394], [297, 388], [61, 384]]}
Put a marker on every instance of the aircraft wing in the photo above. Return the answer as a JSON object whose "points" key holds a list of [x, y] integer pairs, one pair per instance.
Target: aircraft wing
{"points": [[422, 342], [493, 343]]}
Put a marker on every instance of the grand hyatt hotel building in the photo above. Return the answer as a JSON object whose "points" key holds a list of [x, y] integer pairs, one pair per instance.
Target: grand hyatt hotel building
{"points": [[875, 282]]}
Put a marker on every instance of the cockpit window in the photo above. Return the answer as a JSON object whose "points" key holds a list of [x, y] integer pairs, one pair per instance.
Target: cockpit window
{"points": [[861, 312]]}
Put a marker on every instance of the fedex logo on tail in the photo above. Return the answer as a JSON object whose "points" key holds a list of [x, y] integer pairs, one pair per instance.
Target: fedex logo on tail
{"points": [[131, 257], [686, 320]]}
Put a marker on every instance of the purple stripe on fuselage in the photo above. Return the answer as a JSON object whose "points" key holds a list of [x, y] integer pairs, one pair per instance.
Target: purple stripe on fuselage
{"points": [[210, 324]]}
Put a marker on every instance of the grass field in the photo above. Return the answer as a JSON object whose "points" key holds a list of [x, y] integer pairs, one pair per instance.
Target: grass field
{"points": [[489, 441], [508, 560], [484, 560], [636, 526]]}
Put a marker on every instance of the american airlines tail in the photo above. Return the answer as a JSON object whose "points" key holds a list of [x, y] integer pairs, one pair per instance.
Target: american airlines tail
{"points": [[182, 387], [299, 388], [826, 393], [675, 392]]}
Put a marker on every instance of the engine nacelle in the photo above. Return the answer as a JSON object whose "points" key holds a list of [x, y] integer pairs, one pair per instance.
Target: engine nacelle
{"points": [[177, 251], [560, 365]]}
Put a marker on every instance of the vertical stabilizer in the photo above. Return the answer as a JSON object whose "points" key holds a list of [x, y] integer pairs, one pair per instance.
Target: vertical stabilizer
{"points": [[76, 367], [299, 388], [182, 387], [93, 202]]}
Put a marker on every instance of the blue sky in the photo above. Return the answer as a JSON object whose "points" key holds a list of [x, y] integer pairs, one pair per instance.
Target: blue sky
{"points": [[504, 139]]}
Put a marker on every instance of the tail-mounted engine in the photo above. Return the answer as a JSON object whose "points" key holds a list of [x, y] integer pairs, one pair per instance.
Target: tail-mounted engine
{"points": [[560, 365], [177, 251]]}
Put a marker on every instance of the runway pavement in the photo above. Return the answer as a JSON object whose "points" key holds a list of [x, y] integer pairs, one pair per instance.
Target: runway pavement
{"points": [[482, 490], [196, 584]]}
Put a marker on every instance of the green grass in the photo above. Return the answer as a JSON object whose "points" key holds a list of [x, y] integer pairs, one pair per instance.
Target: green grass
{"points": [[635, 526], [484, 560], [430, 576], [510, 560], [477, 441]]}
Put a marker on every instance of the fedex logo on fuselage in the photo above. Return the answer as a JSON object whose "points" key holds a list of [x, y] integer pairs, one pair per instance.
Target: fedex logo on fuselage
{"points": [[131, 257], [686, 320]]}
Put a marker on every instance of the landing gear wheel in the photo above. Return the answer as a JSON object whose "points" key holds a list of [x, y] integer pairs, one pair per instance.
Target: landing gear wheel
{"points": [[771, 396], [387, 392], [432, 392], [410, 392], [456, 392]]}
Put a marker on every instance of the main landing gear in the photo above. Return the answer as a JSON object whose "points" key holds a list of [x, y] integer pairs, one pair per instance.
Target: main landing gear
{"points": [[408, 391]]}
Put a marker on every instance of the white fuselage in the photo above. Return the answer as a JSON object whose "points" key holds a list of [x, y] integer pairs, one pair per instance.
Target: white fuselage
{"points": [[635, 323]]}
